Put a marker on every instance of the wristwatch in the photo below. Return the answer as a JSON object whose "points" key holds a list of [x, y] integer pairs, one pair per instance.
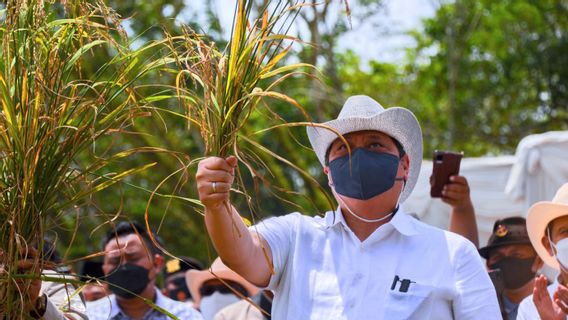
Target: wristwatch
{"points": [[40, 307]]}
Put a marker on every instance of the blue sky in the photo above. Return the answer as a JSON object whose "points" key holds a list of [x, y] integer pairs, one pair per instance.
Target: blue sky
{"points": [[381, 37]]}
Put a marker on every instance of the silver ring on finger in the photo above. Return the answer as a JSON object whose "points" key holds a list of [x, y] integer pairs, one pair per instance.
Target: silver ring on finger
{"points": [[214, 186]]}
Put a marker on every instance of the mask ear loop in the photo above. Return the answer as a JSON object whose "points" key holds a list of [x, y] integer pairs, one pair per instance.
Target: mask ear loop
{"points": [[555, 251]]}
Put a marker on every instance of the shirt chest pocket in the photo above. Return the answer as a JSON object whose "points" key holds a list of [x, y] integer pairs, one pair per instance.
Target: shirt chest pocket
{"points": [[413, 304]]}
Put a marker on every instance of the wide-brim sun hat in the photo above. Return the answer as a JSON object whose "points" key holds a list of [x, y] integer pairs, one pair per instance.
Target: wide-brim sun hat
{"points": [[360, 113], [218, 270], [538, 218]]}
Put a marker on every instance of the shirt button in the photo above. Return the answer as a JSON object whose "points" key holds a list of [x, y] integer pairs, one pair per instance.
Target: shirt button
{"points": [[357, 277]]}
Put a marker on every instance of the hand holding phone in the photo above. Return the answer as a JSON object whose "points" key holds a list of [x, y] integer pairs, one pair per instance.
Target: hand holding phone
{"points": [[445, 164]]}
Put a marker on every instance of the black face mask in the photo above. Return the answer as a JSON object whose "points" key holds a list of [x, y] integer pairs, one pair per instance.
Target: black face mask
{"points": [[128, 280], [516, 272], [365, 174], [181, 292]]}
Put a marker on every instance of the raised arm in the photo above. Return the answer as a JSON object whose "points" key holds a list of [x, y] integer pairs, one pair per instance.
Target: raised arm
{"points": [[462, 217], [243, 251]]}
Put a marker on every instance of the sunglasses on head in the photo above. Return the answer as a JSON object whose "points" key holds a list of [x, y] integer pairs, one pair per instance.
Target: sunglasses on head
{"points": [[209, 289]]}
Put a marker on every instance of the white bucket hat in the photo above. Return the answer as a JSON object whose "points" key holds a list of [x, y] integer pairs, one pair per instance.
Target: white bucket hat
{"points": [[540, 215], [361, 113], [196, 278]]}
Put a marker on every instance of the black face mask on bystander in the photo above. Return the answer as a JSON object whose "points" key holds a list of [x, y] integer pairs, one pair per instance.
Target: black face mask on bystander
{"points": [[179, 292], [516, 272], [128, 280]]}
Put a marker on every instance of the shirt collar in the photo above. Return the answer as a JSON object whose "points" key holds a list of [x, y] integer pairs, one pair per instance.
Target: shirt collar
{"points": [[401, 221], [115, 308], [511, 308], [161, 300], [404, 222], [332, 218]]}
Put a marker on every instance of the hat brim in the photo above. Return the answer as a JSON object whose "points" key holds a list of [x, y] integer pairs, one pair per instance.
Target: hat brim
{"points": [[195, 279], [484, 252], [397, 122], [538, 218]]}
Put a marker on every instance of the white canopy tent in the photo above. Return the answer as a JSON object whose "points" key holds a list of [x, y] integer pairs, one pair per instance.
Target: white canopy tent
{"points": [[541, 167], [501, 186]]}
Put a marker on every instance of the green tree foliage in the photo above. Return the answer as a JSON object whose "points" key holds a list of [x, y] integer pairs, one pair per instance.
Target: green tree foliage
{"points": [[147, 18], [491, 72]]}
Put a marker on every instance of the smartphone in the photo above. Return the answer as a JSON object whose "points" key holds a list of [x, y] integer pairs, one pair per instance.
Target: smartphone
{"points": [[445, 164]]}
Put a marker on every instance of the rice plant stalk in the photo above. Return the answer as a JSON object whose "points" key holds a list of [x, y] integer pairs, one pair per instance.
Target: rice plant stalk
{"points": [[49, 114], [221, 89]]}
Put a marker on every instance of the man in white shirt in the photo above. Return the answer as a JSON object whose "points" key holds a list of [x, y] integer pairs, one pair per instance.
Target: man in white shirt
{"points": [[368, 259], [547, 224]]}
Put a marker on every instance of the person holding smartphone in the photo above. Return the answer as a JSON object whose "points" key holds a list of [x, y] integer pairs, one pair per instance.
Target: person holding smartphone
{"points": [[453, 189], [368, 259]]}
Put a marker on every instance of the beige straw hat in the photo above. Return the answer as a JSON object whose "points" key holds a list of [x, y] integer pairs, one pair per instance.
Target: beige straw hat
{"points": [[218, 270], [361, 113], [540, 215]]}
